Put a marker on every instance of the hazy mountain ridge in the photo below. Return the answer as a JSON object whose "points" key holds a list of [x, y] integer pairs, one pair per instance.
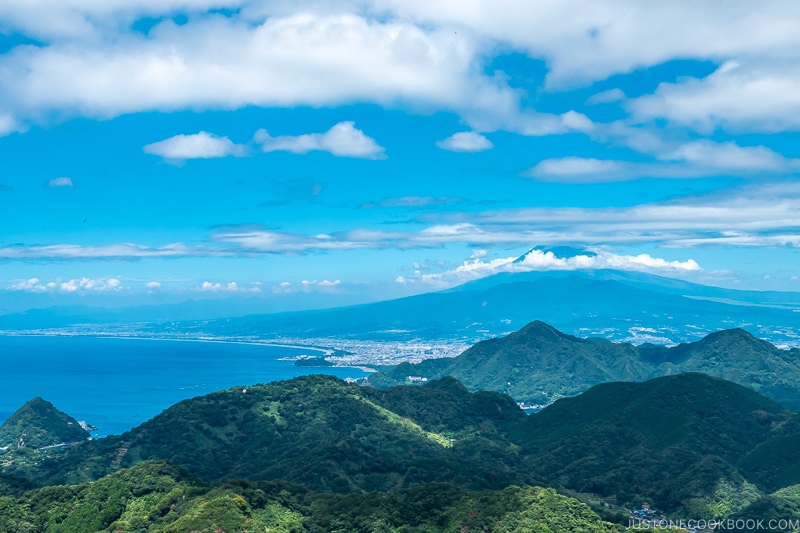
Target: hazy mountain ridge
{"points": [[539, 363], [494, 306], [658, 309]]}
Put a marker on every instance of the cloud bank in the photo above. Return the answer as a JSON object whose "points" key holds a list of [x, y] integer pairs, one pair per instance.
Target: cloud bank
{"points": [[537, 260], [765, 216], [76, 285]]}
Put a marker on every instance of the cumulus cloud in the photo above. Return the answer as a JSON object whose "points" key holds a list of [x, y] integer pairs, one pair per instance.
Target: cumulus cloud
{"points": [[200, 145], [343, 140], [465, 141], [306, 286], [219, 62], [584, 42], [60, 182], [231, 286], [96, 64], [478, 267], [76, 285], [31, 285], [759, 96], [392, 52]]}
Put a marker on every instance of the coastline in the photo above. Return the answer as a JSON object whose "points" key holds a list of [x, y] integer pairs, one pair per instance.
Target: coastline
{"points": [[325, 351]]}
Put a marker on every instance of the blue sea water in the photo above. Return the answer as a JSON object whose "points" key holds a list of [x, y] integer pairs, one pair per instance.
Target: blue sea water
{"points": [[118, 383]]}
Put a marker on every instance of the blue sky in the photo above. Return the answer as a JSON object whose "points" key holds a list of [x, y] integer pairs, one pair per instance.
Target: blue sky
{"points": [[318, 153]]}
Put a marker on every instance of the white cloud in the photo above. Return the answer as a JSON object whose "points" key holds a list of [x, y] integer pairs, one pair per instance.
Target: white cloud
{"points": [[766, 215], [106, 251], [578, 169], [465, 141], [730, 156], [605, 97], [584, 42], [200, 145], [76, 285], [216, 62], [537, 260], [153, 285], [343, 140], [758, 96], [60, 182], [390, 52], [306, 286], [29, 285], [688, 160], [231, 286], [8, 124]]}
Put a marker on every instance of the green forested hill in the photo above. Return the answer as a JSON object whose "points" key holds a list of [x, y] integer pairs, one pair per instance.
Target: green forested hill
{"points": [[37, 424], [689, 444], [160, 498], [539, 364], [671, 440], [13, 485], [318, 431]]}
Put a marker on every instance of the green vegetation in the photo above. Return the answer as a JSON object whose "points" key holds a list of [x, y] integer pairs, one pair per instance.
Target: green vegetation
{"points": [[317, 431], [675, 441], [539, 364], [160, 498], [689, 444], [38, 424]]}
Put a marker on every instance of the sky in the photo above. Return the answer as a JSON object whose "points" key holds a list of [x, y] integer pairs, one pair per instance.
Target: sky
{"points": [[314, 153]]}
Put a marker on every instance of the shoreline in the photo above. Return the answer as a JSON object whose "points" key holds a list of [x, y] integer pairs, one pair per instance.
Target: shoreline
{"points": [[325, 351]]}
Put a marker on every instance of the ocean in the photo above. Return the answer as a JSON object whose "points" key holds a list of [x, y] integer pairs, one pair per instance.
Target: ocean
{"points": [[117, 383]]}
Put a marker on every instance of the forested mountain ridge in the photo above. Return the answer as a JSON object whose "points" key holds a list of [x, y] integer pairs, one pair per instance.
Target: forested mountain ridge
{"points": [[539, 364], [318, 431], [161, 498], [38, 424], [686, 443]]}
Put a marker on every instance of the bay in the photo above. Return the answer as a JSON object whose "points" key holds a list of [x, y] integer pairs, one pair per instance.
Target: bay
{"points": [[117, 383]]}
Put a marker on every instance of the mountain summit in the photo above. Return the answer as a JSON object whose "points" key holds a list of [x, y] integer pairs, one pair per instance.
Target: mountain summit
{"points": [[38, 424], [539, 364]]}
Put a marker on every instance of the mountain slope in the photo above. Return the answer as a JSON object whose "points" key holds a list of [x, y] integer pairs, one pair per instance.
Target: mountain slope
{"points": [[669, 440], [538, 364], [318, 431], [160, 498], [687, 443], [37, 424]]}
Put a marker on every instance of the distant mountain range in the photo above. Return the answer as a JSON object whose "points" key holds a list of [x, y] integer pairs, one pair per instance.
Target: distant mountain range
{"points": [[612, 304], [688, 444], [539, 363]]}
